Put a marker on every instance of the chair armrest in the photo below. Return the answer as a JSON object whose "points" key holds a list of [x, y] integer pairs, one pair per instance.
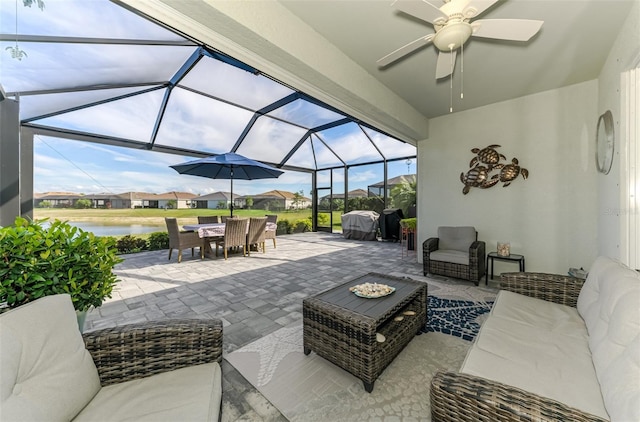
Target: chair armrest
{"points": [[477, 260], [140, 350], [430, 245], [463, 397], [558, 288]]}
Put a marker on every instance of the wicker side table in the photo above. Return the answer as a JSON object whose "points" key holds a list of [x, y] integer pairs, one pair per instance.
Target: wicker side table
{"points": [[341, 327]]}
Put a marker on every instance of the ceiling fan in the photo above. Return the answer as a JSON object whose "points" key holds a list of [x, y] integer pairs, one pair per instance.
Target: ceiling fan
{"points": [[452, 22]]}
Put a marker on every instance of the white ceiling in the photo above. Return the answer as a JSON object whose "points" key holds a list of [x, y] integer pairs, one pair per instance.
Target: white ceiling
{"points": [[571, 47]]}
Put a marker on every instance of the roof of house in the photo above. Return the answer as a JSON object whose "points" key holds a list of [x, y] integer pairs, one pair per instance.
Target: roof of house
{"points": [[175, 195], [216, 196], [279, 194], [57, 195], [411, 178], [356, 193]]}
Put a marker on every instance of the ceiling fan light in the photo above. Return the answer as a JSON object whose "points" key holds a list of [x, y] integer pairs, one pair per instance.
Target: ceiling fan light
{"points": [[452, 36]]}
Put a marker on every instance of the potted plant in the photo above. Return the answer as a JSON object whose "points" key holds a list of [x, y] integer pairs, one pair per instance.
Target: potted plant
{"points": [[39, 259], [411, 224]]}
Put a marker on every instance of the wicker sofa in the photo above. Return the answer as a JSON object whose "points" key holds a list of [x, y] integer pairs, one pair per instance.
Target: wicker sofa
{"points": [[158, 371], [553, 348]]}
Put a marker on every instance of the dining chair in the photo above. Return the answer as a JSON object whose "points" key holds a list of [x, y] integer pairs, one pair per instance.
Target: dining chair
{"points": [[256, 233], [209, 219], [271, 234], [235, 235], [182, 240]]}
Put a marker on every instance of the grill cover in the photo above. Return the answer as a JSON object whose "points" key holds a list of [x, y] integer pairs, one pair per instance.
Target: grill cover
{"points": [[360, 225]]}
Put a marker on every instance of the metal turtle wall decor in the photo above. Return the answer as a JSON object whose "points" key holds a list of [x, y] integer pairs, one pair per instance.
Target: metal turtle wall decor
{"points": [[487, 170]]}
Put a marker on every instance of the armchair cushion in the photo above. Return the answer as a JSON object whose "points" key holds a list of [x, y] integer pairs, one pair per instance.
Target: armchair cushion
{"points": [[455, 253], [456, 238], [450, 255], [192, 397], [47, 374]]}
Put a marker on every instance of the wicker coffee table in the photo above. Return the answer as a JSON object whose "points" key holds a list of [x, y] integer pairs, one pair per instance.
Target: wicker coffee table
{"points": [[341, 327]]}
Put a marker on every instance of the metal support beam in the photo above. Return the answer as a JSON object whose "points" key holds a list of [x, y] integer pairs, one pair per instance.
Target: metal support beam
{"points": [[314, 201], [26, 173], [264, 110], [9, 161], [346, 189]]}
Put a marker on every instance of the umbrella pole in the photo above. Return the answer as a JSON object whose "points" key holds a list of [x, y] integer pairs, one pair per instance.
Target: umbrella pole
{"points": [[231, 206]]}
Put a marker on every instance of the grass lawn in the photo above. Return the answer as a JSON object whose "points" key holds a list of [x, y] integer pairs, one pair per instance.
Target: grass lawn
{"points": [[155, 217]]}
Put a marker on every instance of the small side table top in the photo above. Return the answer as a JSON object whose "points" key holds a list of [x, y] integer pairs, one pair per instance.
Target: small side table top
{"points": [[511, 257], [491, 256]]}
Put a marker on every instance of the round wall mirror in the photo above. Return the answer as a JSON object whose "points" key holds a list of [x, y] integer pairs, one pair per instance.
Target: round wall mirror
{"points": [[605, 140]]}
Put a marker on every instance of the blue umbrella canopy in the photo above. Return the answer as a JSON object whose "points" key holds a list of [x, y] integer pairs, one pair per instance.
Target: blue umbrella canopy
{"points": [[228, 166]]}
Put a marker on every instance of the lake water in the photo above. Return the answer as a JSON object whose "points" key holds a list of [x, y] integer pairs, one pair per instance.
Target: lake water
{"points": [[116, 230]]}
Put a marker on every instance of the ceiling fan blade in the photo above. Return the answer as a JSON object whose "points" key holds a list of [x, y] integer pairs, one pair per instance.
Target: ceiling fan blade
{"points": [[479, 6], [506, 29], [421, 9], [446, 63], [404, 50]]}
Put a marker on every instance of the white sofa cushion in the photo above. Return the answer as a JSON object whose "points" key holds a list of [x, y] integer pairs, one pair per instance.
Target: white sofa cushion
{"points": [[456, 238], [540, 347], [47, 374], [187, 394], [609, 302]]}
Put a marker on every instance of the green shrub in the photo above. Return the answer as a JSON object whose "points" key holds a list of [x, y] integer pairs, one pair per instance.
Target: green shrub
{"points": [[130, 244], [158, 240], [39, 260], [284, 227], [301, 226], [323, 219], [83, 203]]}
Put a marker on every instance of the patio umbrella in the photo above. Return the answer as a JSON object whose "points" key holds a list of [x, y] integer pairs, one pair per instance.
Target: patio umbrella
{"points": [[228, 166]]}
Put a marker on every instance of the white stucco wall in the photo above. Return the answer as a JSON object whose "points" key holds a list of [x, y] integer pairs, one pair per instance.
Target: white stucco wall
{"points": [[624, 55], [550, 217]]}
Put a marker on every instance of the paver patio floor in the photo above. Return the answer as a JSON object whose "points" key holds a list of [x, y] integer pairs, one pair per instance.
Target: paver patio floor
{"points": [[253, 296]]}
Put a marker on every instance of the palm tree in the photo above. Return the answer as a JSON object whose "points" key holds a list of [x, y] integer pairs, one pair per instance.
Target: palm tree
{"points": [[403, 195]]}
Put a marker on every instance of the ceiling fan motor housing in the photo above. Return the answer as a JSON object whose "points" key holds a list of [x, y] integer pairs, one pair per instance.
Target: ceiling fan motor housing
{"points": [[456, 30], [453, 35]]}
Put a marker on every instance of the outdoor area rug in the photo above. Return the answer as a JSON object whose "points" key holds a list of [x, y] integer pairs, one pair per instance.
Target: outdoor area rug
{"points": [[309, 388]]}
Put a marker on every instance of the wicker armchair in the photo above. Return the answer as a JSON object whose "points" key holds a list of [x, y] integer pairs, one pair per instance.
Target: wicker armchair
{"points": [[182, 240], [138, 350], [271, 234], [235, 235], [462, 397], [456, 252], [256, 233]]}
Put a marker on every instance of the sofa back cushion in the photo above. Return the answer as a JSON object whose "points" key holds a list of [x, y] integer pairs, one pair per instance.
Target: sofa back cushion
{"points": [[609, 303], [47, 373], [456, 238]]}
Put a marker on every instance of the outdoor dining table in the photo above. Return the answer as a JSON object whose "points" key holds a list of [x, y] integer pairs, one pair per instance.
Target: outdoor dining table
{"points": [[213, 230], [217, 229]]}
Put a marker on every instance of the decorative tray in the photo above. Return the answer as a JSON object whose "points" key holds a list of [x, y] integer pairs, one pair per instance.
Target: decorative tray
{"points": [[372, 290]]}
